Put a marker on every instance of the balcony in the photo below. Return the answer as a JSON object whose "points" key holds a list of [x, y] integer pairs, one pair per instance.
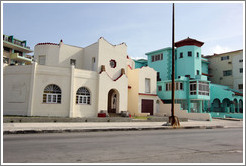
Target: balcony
{"points": [[20, 58], [9, 41]]}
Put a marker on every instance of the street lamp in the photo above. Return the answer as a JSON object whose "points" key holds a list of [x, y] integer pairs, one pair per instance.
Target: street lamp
{"points": [[173, 119]]}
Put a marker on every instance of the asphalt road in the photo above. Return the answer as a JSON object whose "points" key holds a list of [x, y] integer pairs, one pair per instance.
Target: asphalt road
{"points": [[154, 146]]}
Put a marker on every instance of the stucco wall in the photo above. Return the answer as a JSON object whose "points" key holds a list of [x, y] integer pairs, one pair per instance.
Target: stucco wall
{"points": [[90, 52], [89, 80], [220, 92], [60, 55], [16, 83], [68, 52], [136, 80], [108, 52], [51, 53], [150, 73], [133, 82], [105, 85], [154, 98], [194, 62], [112, 78], [163, 66], [46, 75]]}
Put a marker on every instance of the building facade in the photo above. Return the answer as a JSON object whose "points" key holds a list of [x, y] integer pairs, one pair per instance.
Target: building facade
{"points": [[193, 88], [191, 85], [70, 81], [227, 69], [15, 51]]}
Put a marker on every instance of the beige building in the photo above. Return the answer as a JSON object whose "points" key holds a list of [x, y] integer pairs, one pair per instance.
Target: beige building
{"points": [[15, 51], [70, 81], [227, 69]]}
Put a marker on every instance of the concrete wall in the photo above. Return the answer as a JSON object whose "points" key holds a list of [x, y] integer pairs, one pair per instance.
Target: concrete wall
{"points": [[16, 89], [165, 109]]}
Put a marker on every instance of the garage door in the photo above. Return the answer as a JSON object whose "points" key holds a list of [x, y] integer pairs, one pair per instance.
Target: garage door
{"points": [[147, 106]]}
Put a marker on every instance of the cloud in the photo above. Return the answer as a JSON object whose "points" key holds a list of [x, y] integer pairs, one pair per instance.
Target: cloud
{"points": [[219, 49], [139, 57]]}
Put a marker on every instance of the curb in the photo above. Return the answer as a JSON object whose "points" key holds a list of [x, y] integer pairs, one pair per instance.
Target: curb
{"points": [[106, 129], [232, 119]]}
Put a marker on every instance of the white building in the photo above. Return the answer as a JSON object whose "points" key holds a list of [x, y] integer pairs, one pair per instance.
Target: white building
{"points": [[227, 69], [70, 81]]}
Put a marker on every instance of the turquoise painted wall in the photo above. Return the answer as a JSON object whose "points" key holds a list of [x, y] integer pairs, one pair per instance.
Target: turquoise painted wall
{"points": [[193, 62], [189, 66], [220, 92], [167, 95], [163, 66], [205, 67], [179, 94], [140, 63]]}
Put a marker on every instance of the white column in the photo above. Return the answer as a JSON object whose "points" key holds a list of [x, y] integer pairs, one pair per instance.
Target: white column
{"points": [[32, 89], [71, 113]]}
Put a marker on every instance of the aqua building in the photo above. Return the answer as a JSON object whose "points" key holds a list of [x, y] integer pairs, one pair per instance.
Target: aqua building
{"points": [[193, 90]]}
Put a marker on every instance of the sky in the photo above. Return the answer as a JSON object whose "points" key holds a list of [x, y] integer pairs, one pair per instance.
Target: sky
{"points": [[144, 27]]}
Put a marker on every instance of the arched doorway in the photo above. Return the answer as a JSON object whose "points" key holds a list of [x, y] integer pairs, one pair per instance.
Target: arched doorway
{"points": [[216, 105], [226, 105], [235, 105], [241, 106], [113, 101]]}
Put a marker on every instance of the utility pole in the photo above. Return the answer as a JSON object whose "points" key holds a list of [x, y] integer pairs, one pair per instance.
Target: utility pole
{"points": [[174, 120]]}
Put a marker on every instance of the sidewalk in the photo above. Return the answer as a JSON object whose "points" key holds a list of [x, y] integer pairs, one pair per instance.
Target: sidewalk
{"points": [[25, 128]]}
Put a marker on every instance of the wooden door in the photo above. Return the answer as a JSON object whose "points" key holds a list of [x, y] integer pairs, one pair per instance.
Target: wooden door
{"points": [[147, 106]]}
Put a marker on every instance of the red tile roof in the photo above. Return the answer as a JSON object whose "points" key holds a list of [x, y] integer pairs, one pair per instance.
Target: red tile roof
{"points": [[188, 41], [47, 44]]}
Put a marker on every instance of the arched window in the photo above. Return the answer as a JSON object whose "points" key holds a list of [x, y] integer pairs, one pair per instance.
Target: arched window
{"points": [[52, 94], [83, 96]]}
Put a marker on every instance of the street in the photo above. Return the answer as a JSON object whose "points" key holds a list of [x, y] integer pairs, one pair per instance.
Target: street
{"points": [[151, 146]]}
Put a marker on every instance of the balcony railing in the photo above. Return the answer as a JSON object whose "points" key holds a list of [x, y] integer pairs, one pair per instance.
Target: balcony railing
{"points": [[19, 57], [15, 41]]}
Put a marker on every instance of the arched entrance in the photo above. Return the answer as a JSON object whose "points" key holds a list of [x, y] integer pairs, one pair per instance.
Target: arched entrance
{"points": [[226, 105], [113, 101], [216, 105], [241, 106], [235, 105]]}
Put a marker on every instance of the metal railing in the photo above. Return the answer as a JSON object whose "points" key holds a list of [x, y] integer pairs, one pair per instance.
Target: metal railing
{"points": [[15, 41]]}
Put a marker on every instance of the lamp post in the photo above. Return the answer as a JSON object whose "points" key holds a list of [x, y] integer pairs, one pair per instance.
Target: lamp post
{"points": [[174, 120]]}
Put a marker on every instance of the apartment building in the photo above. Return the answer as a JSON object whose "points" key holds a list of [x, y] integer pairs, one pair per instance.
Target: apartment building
{"points": [[15, 51], [227, 69]]}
